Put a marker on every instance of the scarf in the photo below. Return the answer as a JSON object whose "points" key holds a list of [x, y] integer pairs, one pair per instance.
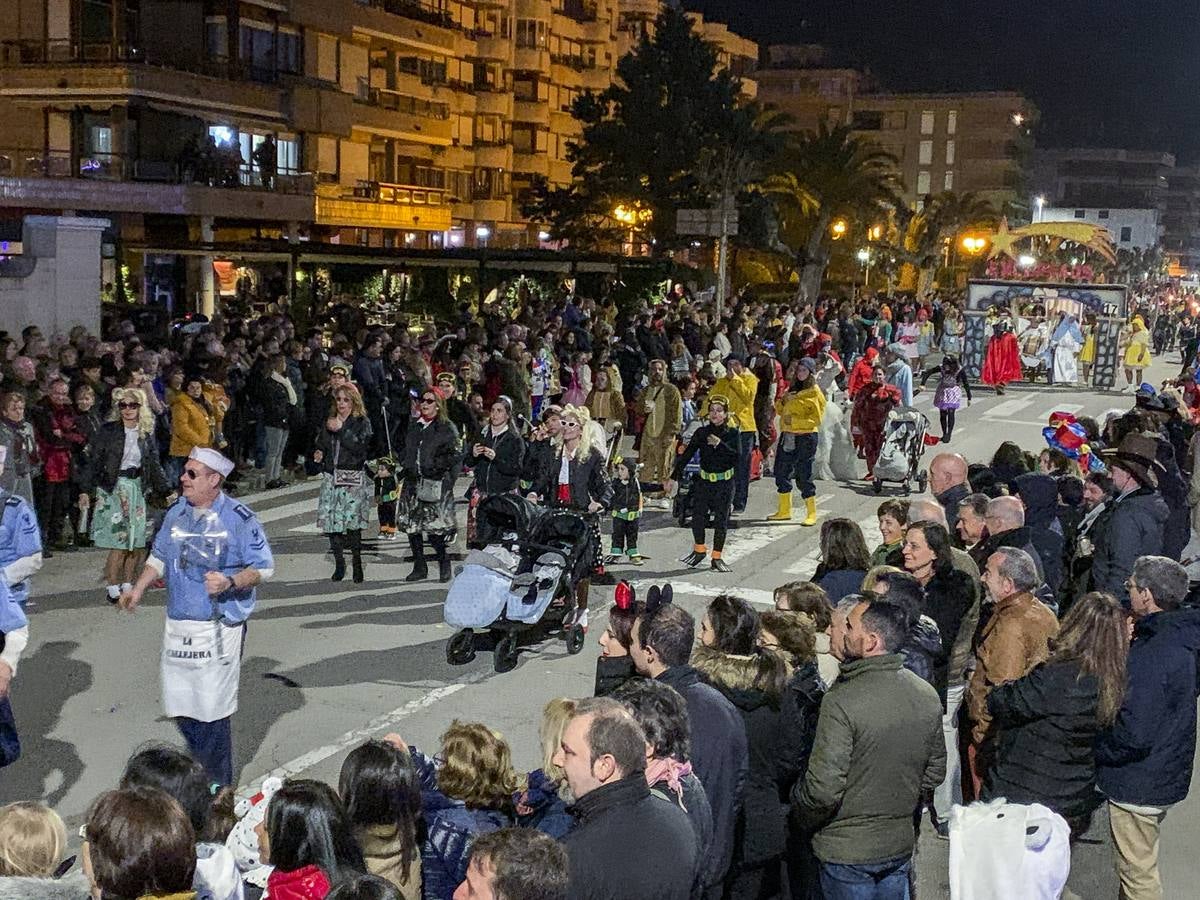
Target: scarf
{"points": [[291, 391], [670, 770]]}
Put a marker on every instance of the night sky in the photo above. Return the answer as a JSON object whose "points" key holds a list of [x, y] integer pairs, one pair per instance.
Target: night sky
{"points": [[1120, 73]]}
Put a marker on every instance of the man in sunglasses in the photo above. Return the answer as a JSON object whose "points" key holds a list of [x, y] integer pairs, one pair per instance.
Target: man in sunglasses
{"points": [[213, 553]]}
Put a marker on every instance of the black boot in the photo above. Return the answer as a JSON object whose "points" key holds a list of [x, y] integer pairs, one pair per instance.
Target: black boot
{"points": [[439, 549], [420, 569], [356, 554], [336, 543]]}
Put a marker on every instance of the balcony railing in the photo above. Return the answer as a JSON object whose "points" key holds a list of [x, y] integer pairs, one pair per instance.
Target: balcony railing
{"points": [[413, 106], [428, 11], [385, 192]]}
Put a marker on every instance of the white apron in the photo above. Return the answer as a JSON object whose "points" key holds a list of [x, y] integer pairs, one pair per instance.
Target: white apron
{"points": [[200, 670]]}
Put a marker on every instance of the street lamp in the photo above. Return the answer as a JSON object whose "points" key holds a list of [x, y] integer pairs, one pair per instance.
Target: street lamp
{"points": [[1041, 204], [839, 229], [864, 257], [482, 233], [973, 244]]}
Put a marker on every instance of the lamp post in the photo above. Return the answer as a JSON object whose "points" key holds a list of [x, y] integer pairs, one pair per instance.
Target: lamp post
{"points": [[1041, 205]]}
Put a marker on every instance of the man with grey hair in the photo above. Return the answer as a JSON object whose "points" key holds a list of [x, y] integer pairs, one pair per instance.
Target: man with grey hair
{"points": [[1144, 760], [1014, 639], [1005, 522]]}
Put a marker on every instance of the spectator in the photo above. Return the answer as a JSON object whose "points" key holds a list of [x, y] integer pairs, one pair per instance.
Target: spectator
{"points": [[308, 839], [878, 750], [1050, 718], [57, 437], [378, 786], [515, 864], [1005, 521], [1039, 494], [844, 558], [191, 425], [628, 843], [972, 522], [615, 664], [278, 400], [138, 842], [948, 484], [542, 804], [468, 792], [1132, 524], [923, 646], [1144, 760], [893, 516], [1013, 640], [365, 887], [662, 645], [33, 844], [811, 601], [21, 461]]}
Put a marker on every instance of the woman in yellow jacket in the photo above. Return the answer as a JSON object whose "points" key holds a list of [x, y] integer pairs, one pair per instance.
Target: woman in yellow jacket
{"points": [[191, 424], [1137, 352], [800, 411]]}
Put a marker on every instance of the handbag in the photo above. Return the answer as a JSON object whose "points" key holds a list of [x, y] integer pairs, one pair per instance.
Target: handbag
{"points": [[345, 478], [429, 490]]}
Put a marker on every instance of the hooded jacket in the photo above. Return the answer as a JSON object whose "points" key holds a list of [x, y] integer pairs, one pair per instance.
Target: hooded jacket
{"points": [[1146, 757], [1130, 527], [1039, 493], [720, 759], [763, 820], [72, 887]]}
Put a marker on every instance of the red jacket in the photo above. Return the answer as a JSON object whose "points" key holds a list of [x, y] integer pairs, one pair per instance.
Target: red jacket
{"points": [[307, 883], [56, 450], [860, 375]]}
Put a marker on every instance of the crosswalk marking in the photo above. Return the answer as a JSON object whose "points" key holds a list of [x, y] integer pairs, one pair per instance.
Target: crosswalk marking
{"points": [[1009, 408]]}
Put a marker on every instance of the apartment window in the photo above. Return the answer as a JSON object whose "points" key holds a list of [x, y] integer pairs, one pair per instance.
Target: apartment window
{"points": [[527, 139], [1079, 213], [527, 86], [288, 56], [927, 121], [952, 121], [949, 153], [867, 120], [96, 21], [948, 182], [1104, 214], [897, 120], [925, 157], [922, 183], [257, 47], [1126, 234], [531, 34], [489, 130]]}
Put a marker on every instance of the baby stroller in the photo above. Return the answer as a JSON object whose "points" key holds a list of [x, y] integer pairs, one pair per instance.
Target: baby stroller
{"points": [[903, 445], [681, 504], [521, 581]]}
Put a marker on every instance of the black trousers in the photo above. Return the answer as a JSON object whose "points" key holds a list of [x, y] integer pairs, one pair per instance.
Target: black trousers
{"points": [[54, 501], [625, 535], [711, 499]]}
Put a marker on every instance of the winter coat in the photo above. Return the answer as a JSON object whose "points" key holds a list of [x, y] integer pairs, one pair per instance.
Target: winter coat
{"points": [[922, 648], [761, 826], [450, 830], [21, 460], [839, 583], [431, 451], [347, 448], [56, 451], [371, 379], [463, 418], [692, 801], [1172, 487], [949, 596], [190, 426], [306, 883], [1146, 757], [878, 749], [502, 474], [1039, 493], [383, 851], [71, 887], [949, 500], [1047, 722], [540, 805], [1015, 538], [1015, 638], [104, 461], [587, 477], [630, 845], [1128, 528], [276, 407], [720, 759], [799, 708], [611, 673]]}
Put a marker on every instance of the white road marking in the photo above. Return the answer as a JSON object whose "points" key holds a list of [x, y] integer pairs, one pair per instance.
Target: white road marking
{"points": [[288, 510], [1008, 408], [298, 487]]}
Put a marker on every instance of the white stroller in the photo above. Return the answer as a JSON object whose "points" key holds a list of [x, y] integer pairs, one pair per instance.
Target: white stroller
{"points": [[903, 446]]}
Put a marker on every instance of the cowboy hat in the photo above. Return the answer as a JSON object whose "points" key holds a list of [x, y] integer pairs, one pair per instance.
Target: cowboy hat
{"points": [[1137, 455]]}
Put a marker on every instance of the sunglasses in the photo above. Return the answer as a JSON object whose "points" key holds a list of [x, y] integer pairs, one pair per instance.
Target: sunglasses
{"points": [[428, 400], [191, 474], [128, 404], [570, 425]]}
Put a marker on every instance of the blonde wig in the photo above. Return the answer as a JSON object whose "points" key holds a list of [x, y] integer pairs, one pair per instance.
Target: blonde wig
{"points": [[587, 436], [145, 416]]}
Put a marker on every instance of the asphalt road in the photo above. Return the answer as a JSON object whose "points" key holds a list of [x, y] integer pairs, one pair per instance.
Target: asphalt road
{"points": [[328, 665]]}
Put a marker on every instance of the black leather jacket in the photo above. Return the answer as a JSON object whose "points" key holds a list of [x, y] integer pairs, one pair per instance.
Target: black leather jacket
{"points": [[351, 446], [104, 461]]}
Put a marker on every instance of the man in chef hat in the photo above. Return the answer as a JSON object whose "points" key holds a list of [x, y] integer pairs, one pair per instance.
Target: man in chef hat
{"points": [[213, 553]]}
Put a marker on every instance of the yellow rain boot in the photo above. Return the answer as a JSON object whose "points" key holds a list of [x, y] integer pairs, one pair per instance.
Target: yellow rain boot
{"points": [[784, 513], [810, 504]]}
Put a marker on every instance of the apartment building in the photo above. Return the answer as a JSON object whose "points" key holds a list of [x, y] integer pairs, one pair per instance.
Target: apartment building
{"points": [[978, 142], [379, 123]]}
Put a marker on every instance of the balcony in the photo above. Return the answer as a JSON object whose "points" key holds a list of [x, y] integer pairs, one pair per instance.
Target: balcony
{"points": [[531, 59], [535, 112], [531, 163], [494, 103], [111, 182], [403, 117], [374, 204], [493, 156]]}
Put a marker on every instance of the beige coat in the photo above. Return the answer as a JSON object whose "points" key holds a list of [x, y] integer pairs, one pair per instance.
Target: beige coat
{"points": [[382, 851]]}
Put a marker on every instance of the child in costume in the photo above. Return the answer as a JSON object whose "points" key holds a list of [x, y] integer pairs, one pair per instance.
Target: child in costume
{"points": [[626, 510], [387, 493]]}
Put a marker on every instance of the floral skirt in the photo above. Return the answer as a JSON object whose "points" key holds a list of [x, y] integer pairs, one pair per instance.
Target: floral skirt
{"points": [[342, 509], [119, 518], [435, 518]]}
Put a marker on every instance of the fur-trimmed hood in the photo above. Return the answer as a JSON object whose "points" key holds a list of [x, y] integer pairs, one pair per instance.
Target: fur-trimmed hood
{"points": [[737, 677], [71, 887]]}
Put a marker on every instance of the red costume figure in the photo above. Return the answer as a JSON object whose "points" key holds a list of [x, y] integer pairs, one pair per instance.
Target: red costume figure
{"points": [[870, 412], [1002, 362]]}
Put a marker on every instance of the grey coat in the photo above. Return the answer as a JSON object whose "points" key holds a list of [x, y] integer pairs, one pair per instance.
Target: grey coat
{"points": [[71, 887]]}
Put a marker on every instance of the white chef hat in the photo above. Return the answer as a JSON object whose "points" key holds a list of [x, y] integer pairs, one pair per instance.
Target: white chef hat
{"points": [[212, 459]]}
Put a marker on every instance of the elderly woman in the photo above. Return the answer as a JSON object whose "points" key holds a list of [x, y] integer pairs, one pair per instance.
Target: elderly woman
{"points": [[17, 440], [122, 465], [344, 505], [429, 464]]}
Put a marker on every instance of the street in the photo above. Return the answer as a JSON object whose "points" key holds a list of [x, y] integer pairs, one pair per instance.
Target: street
{"points": [[327, 665]]}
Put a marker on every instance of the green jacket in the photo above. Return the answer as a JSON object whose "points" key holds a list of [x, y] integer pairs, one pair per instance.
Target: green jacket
{"points": [[877, 750]]}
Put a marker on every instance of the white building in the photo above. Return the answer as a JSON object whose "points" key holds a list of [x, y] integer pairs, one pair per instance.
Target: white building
{"points": [[1131, 229]]}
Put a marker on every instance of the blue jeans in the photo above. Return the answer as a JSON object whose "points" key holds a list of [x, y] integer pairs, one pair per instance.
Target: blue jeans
{"points": [[796, 464], [886, 880], [741, 473]]}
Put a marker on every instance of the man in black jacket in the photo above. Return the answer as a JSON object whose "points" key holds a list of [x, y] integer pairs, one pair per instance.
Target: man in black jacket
{"points": [[661, 647], [948, 483], [1133, 522], [628, 844]]}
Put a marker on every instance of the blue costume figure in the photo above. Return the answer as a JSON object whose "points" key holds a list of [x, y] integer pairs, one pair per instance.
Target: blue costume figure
{"points": [[14, 635], [212, 552], [20, 544]]}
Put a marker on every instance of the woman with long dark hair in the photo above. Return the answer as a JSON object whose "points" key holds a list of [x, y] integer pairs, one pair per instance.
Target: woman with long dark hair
{"points": [[615, 666], [430, 463], [732, 658], [844, 559], [1048, 719], [344, 504], [496, 455], [379, 787], [307, 838]]}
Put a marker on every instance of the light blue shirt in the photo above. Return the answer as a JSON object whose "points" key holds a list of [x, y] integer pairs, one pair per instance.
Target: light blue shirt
{"points": [[225, 538], [19, 537], [12, 615]]}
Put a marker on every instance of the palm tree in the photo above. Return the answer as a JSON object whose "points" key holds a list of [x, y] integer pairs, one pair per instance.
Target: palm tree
{"points": [[943, 217], [832, 172]]}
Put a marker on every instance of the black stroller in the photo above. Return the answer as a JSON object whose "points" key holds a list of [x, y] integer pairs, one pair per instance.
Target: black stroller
{"points": [[522, 580]]}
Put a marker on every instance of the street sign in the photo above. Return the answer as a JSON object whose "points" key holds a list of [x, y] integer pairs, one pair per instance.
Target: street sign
{"points": [[705, 222]]}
